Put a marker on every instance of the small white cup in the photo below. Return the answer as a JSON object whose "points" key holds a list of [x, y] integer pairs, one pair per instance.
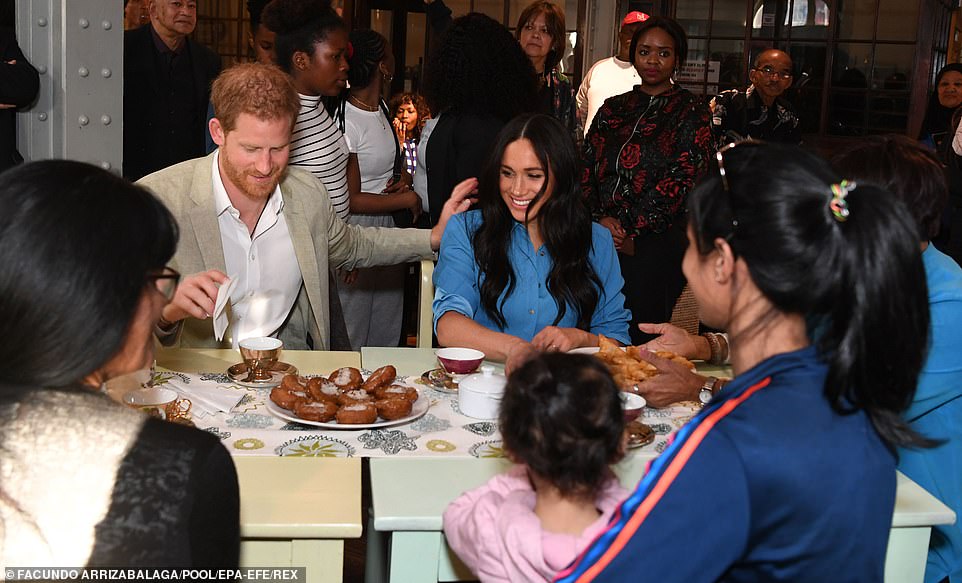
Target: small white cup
{"points": [[158, 402]]}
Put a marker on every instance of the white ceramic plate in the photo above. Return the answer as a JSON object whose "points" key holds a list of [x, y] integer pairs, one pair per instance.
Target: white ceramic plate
{"points": [[584, 350], [419, 408]]}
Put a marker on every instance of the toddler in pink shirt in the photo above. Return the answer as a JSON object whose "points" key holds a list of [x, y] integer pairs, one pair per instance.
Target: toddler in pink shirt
{"points": [[561, 422]]}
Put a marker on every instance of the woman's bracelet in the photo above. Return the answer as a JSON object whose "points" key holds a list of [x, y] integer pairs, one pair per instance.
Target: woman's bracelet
{"points": [[718, 345]]}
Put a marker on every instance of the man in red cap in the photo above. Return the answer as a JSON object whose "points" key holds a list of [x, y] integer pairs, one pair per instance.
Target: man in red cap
{"points": [[609, 77]]}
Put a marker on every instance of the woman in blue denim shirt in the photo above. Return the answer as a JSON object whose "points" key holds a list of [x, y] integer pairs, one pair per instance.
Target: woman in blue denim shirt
{"points": [[529, 270]]}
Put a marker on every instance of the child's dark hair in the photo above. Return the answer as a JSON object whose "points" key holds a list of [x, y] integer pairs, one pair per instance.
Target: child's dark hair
{"points": [[858, 281], [561, 415]]}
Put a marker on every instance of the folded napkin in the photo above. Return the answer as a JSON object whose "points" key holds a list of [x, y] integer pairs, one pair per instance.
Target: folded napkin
{"points": [[207, 400], [220, 313]]}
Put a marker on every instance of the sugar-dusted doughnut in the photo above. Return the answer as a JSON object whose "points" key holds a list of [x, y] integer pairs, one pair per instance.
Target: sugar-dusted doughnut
{"points": [[292, 382], [357, 413], [398, 391], [382, 377], [354, 396], [287, 398], [322, 389], [393, 408], [346, 378], [321, 411]]}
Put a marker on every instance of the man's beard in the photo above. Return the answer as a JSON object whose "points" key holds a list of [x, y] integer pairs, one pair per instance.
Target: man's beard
{"points": [[239, 178]]}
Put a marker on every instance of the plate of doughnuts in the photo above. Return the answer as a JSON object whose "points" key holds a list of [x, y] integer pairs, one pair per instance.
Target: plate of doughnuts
{"points": [[346, 400]]}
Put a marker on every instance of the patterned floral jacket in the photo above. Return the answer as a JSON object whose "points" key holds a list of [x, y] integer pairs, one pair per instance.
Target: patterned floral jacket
{"points": [[742, 114], [642, 155], [562, 100]]}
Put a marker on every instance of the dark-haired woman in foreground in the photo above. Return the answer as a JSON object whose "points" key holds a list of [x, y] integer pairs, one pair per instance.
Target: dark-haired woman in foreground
{"points": [[529, 270], [788, 473], [88, 482]]}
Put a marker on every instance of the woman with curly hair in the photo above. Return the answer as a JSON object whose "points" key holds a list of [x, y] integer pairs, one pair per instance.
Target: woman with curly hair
{"points": [[528, 270], [541, 34], [642, 154], [411, 112], [476, 81]]}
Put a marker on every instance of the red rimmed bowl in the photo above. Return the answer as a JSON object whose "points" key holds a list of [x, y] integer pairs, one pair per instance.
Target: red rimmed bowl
{"points": [[633, 406], [459, 360]]}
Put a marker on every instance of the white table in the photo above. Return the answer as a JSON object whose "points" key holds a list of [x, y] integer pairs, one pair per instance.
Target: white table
{"points": [[406, 542], [294, 512]]}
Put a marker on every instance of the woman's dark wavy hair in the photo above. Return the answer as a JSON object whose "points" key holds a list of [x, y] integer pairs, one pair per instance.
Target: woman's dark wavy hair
{"points": [[905, 168], [860, 282], [554, 19], [299, 25], [480, 68], [563, 220], [674, 30], [76, 243], [561, 415]]}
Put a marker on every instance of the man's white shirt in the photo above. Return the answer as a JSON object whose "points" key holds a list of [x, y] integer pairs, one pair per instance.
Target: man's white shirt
{"points": [[263, 264], [606, 78]]}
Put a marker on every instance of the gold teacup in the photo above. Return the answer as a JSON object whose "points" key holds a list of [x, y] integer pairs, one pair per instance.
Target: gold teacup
{"points": [[260, 354]]}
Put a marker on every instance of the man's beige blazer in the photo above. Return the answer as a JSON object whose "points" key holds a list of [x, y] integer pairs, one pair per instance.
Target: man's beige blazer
{"points": [[321, 242]]}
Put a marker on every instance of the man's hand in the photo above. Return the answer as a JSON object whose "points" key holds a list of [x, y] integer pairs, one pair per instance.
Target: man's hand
{"points": [[195, 296], [459, 202], [618, 233], [676, 382], [555, 339], [674, 339]]}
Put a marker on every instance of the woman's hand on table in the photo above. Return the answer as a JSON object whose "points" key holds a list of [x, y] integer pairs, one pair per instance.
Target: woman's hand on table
{"points": [[675, 383], [195, 296], [555, 339], [674, 339], [517, 354]]}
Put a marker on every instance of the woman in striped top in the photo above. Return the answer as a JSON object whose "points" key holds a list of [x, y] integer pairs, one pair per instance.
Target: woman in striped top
{"points": [[312, 47]]}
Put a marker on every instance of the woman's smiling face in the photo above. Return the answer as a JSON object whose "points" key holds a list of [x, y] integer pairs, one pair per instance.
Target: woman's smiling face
{"points": [[522, 177]]}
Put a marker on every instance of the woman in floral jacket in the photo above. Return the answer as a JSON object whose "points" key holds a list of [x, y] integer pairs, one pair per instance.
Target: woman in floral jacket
{"points": [[642, 154]]}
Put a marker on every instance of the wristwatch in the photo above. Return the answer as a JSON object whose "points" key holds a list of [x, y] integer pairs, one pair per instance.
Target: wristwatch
{"points": [[707, 390]]}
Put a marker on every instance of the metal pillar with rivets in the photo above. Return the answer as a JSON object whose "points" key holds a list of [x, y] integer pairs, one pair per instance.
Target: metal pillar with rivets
{"points": [[77, 46]]}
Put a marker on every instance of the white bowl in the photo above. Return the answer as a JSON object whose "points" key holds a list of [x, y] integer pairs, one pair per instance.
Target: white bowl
{"points": [[479, 395]]}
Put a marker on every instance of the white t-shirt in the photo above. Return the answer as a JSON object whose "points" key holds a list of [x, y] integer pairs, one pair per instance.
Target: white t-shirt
{"points": [[264, 264], [369, 135], [606, 78], [318, 146]]}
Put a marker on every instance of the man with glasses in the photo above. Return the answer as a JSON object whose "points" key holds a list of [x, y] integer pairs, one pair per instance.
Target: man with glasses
{"points": [[759, 112]]}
